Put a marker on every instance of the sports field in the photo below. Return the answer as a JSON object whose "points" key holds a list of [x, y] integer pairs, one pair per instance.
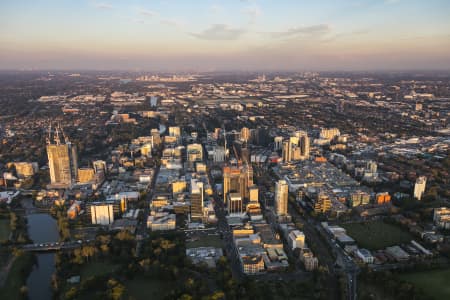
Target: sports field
{"points": [[377, 235]]}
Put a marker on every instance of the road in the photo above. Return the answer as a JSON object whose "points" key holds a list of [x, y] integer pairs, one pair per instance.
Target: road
{"points": [[224, 228], [141, 230]]}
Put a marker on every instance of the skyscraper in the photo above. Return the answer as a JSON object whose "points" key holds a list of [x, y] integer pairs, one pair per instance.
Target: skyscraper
{"points": [[196, 200], [245, 134], [62, 160], [419, 187], [237, 179], [281, 197]]}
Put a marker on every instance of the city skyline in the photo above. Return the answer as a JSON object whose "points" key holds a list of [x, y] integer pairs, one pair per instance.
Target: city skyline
{"points": [[225, 35]]}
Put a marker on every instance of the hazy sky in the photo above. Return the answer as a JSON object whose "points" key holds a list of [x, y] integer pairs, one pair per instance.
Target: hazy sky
{"points": [[225, 34]]}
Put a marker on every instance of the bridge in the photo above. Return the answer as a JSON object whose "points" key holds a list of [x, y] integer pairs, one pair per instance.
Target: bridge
{"points": [[53, 246]]}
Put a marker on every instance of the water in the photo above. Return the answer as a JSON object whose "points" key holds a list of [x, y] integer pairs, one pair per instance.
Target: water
{"points": [[42, 228]]}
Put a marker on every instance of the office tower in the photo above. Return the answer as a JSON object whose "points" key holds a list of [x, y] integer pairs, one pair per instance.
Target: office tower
{"points": [[62, 160], [156, 138], [174, 131], [85, 175], [246, 180], [419, 187], [146, 150], [253, 193], [218, 154], [231, 181], [196, 200], [245, 134], [296, 239], [286, 152], [194, 152], [217, 133], [237, 179], [303, 144], [278, 143], [99, 166], [235, 204], [281, 197], [102, 214], [26, 169]]}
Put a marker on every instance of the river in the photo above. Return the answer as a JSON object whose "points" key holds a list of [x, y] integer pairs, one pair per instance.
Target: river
{"points": [[42, 228]]}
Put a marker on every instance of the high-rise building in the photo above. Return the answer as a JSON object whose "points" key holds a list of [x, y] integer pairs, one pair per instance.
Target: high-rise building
{"points": [[85, 175], [237, 179], [156, 137], [296, 239], [197, 195], [304, 145], [297, 147], [62, 161], [278, 143], [419, 187], [99, 166], [245, 134], [253, 194], [329, 133], [231, 181], [194, 152], [235, 204], [175, 131], [286, 152], [26, 169], [281, 197], [246, 180], [146, 149]]}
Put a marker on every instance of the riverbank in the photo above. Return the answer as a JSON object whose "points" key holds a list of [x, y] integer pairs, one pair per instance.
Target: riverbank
{"points": [[15, 284]]}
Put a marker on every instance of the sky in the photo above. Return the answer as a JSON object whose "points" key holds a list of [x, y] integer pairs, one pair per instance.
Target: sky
{"points": [[225, 35]]}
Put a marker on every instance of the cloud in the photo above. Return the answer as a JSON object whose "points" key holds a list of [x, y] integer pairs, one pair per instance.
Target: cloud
{"points": [[219, 32], [146, 12], [103, 5], [314, 30], [216, 9], [173, 22], [253, 11]]}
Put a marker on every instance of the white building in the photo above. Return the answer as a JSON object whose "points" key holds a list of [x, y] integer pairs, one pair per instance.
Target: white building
{"points": [[365, 256], [419, 187]]}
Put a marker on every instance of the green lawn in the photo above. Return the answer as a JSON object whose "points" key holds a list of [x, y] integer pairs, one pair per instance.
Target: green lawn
{"points": [[4, 229], [143, 288], [17, 277], [97, 269], [377, 235], [206, 241], [434, 283]]}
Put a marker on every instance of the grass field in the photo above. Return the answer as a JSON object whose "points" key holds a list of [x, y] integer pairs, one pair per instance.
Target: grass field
{"points": [[96, 269], [377, 235], [434, 283], [17, 277], [142, 288], [206, 241], [4, 229]]}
